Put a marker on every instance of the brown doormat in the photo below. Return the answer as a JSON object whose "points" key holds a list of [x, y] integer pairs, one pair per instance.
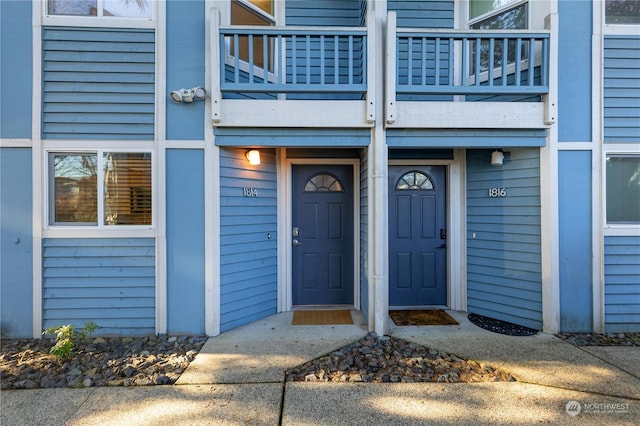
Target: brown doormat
{"points": [[427, 317], [322, 317]]}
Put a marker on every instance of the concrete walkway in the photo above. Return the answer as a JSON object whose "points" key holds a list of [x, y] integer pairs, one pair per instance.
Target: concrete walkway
{"points": [[238, 379]]}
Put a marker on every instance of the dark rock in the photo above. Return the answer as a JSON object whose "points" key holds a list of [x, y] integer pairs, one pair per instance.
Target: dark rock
{"points": [[100, 361]]}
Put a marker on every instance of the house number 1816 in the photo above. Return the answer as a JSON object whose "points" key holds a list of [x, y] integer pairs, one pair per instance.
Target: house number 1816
{"points": [[497, 192]]}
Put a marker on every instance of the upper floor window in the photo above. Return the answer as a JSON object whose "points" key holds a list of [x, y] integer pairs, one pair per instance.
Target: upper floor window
{"points": [[253, 12], [498, 14], [102, 8], [622, 12]]}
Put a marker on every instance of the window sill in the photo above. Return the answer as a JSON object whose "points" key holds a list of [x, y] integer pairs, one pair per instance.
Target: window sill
{"points": [[622, 230], [93, 21], [123, 231]]}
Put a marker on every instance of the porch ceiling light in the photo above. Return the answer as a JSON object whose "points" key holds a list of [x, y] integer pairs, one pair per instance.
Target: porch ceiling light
{"points": [[497, 158], [188, 95], [253, 156]]}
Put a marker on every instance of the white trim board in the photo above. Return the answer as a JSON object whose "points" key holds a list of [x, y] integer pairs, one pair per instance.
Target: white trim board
{"points": [[15, 143], [469, 115], [292, 113]]}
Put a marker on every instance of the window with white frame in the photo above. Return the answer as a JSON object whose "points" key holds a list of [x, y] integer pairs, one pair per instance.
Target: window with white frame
{"points": [[622, 188], [499, 15], [622, 12], [100, 188], [255, 13], [102, 8], [100, 13]]}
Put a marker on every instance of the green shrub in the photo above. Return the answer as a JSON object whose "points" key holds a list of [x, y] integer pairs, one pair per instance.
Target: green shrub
{"points": [[66, 335]]}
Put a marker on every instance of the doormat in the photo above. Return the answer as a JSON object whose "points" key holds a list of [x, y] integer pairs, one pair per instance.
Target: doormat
{"points": [[501, 327], [427, 317], [328, 317]]}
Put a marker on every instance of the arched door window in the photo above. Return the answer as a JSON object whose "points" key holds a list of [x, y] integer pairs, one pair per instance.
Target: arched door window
{"points": [[323, 182], [414, 180]]}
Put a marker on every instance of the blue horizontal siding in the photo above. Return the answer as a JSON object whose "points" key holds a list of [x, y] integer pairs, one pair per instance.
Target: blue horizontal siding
{"points": [[16, 244], [110, 281], [477, 138], [292, 137], [504, 278], [622, 283], [423, 13], [335, 13], [248, 257], [621, 89], [98, 83]]}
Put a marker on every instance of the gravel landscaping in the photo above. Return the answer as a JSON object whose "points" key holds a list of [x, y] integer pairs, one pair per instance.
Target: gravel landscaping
{"points": [[160, 360], [385, 359], [27, 363], [608, 339]]}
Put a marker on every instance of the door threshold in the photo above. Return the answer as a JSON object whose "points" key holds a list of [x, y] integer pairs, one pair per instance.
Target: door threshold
{"points": [[322, 307], [419, 308]]}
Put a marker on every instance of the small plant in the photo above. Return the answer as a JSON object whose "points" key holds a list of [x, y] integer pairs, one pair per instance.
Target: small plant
{"points": [[66, 336]]}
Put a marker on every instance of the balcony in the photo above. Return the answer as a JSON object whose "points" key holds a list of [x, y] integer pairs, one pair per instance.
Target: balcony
{"points": [[467, 79], [327, 77], [293, 76]]}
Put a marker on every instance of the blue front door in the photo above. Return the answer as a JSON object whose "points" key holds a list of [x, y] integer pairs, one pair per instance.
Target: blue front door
{"points": [[322, 234], [417, 236]]}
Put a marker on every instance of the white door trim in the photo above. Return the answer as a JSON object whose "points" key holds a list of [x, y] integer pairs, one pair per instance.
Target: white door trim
{"points": [[285, 262]]}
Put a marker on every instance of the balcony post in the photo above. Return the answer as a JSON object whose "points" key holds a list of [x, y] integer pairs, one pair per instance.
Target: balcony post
{"points": [[390, 77], [371, 66], [551, 99], [216, 66]]}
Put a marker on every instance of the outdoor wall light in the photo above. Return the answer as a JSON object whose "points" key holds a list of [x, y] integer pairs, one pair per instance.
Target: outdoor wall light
{"points": [[253, 156], [497, 158], [188, 95]]}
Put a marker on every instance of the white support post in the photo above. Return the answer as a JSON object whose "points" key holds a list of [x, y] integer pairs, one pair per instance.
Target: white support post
{"points": [[39, 183], [597, 182], [549, 195], [211, 187], [214, 48], [390, 77], [378, 208], [159, 170]]}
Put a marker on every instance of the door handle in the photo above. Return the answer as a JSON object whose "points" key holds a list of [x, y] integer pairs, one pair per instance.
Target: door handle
{"points": [[295, 242]]}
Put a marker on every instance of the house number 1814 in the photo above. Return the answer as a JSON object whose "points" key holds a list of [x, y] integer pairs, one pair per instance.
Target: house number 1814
{"points": [[250, 192], [497, 192]]}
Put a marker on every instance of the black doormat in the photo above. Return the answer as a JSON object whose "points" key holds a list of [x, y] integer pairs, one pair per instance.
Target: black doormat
{"points": [[502, 327]]}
